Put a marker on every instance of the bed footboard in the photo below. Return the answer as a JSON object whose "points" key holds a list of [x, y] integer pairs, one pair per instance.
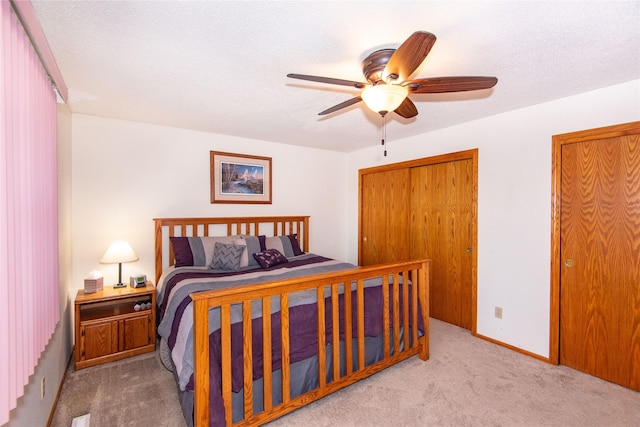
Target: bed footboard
{"points": [[405, 305]]}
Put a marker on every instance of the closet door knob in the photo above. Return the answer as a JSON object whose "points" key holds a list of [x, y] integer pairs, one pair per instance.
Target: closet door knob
{"points": [[569, 262]]}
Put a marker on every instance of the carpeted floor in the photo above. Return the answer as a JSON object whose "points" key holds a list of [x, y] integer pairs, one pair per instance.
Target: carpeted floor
{"points": [[137, 391], [466, 382]]}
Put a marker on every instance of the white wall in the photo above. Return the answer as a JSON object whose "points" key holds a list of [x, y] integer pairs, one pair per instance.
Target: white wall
{"points": [[514, 200], [127, 173]]}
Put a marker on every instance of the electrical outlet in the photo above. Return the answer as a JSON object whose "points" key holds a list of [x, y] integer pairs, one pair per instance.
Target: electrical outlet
{"points": [[498, 312], [42, 388]]}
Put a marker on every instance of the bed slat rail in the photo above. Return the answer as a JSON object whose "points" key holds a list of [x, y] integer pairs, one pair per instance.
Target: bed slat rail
{"points": [[404, 346]]}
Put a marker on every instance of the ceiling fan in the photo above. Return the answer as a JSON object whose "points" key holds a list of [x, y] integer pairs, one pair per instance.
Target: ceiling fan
{"points": [[387, 72]]}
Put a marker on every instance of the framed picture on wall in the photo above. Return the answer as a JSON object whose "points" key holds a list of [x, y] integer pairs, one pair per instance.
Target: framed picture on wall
{"points": [[240, 178]]}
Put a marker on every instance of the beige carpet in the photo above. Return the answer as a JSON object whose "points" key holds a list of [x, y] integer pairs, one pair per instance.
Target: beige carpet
{"points": [[137, 391], [466, 382]]}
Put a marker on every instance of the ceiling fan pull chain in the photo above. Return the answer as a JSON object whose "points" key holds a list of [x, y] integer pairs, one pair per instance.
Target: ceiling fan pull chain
{"points": [[384, 134]]}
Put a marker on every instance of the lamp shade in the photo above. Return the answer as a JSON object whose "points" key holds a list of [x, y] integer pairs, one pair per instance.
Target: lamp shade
{"points": [[119, 251], [384, 98]]}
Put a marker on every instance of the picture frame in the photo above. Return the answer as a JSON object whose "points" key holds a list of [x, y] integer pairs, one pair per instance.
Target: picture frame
{"points": [[240, 178]]}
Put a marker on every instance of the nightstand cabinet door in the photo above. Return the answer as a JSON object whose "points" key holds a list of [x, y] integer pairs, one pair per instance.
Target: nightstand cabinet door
{"points": [[98, 339], [135, 332]]}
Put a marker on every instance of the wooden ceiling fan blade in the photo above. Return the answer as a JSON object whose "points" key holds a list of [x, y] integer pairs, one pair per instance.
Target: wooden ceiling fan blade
{"points": [[407, 109], [450, 84], [408, 57], [340, 106], [329, 80]]}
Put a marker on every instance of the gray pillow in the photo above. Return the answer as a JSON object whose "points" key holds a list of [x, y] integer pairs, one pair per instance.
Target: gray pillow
{"points": [[286, 245], [255, 244], [226, 256]]}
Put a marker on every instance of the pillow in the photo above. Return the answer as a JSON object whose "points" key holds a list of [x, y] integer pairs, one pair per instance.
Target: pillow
{"points": [[254, 245], [196, 251], [269, 258], [244, 257], [181, 251], [226, 256], [287, 245]]}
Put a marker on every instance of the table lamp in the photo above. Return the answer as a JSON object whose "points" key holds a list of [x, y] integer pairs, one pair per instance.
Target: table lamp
{"points": [[119, 252]]}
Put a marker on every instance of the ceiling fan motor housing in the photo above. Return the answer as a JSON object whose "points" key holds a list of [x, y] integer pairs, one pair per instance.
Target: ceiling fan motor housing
{"points": [[373, 65]]}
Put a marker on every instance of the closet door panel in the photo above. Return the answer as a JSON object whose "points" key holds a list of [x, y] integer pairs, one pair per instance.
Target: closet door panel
{"points": [[384, 216], [441, 206]]}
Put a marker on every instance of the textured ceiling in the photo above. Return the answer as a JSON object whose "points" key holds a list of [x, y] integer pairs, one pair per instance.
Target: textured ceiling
{"points": [[221, 66]]}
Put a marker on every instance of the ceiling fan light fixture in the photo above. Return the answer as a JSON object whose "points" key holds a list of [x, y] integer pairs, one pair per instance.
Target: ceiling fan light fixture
{"points": [[384, 98]]}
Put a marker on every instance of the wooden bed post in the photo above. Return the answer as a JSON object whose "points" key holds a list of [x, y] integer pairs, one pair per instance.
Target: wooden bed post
{"points": [[201, 363], [158, 248], [423, 290]]}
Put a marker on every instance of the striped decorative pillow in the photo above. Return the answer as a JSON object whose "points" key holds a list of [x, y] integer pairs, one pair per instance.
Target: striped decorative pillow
{"points": [[196, 251], [286, 245], [254, 245]]}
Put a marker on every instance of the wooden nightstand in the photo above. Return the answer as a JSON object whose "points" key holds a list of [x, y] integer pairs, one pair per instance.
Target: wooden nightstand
{"points": [[113, 324]]}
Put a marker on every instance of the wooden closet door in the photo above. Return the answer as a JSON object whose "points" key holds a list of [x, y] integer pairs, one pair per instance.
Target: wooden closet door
{"points": [[600, 258], [442, 214], [384, 205]]}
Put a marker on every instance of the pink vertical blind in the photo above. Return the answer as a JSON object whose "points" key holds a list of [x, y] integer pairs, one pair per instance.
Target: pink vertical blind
{"points": [[29, 300]]}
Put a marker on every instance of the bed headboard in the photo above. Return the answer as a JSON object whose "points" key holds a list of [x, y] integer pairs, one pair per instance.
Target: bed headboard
{"points": [[195, 227]]}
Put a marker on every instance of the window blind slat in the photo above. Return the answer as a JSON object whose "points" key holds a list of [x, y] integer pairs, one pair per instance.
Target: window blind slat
{"points": [[29, 300]]}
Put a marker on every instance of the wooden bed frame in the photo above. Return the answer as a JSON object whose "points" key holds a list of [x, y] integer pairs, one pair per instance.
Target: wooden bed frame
{"points": [[417, 271]]}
